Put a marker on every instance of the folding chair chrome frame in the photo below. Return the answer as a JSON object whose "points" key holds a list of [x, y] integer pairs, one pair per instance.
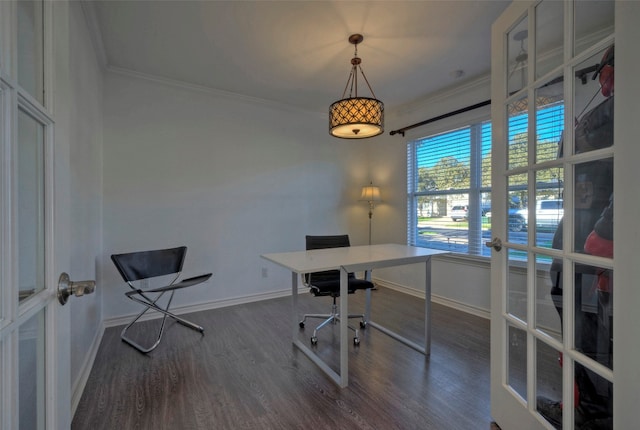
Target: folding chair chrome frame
{"points": [[141, 296]]}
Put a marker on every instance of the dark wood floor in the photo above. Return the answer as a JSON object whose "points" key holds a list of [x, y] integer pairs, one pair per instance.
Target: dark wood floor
{"points": [[244, 373]]}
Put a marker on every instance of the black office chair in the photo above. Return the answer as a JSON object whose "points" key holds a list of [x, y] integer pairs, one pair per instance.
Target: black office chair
{"points": [[327, 283], [138, 268]]}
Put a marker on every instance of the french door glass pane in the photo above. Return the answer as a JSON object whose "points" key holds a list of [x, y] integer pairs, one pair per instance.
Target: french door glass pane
{"points": [[517, 59], [31, 47], [593, 201], [30, 220], [517, 212], [549, 207], [517, 285], [593, 103], [517, 360], [596, 394], [549, 120], [31, 388], [548, 374], [548, 298], [594, 313], [549, 36], [518, 133]]}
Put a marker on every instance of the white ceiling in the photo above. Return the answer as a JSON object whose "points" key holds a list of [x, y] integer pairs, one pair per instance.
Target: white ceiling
{"points": [[296, 52]]}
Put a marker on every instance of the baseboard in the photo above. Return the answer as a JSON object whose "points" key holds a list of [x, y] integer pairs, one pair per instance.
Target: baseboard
{"points": [[463, 307], [215, 304], [77, 387]]}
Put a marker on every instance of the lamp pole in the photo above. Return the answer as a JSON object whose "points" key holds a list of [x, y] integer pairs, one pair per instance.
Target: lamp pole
{"points": [[370, 216], [371, 195]]}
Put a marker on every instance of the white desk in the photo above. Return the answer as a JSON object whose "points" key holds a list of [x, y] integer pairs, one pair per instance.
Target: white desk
{"points": [[354, 259]]}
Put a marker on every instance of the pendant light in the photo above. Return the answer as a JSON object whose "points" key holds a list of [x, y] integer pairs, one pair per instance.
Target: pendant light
{"points": [[355, 117]]}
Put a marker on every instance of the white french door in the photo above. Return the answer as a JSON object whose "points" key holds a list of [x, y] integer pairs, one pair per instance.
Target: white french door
{"points": [[552, 286], [34, 342]]}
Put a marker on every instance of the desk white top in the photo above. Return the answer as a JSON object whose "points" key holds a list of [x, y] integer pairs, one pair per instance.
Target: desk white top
{"points": [[352, 258]]}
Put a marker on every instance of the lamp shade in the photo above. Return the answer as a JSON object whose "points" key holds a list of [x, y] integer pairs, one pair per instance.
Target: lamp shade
{"points": [[370, 193], [356, 118]]}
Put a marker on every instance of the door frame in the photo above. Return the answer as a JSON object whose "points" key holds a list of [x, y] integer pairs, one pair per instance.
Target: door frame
{"points": [[56, 395], [626, 301]]}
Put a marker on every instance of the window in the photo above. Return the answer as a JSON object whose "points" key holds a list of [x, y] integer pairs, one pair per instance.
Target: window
{"points": [[449, 183]]}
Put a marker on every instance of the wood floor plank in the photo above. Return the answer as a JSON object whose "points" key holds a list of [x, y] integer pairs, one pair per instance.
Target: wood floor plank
{"points": [[244, 373]]}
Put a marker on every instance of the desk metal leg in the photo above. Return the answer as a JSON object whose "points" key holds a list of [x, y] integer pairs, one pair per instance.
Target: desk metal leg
{"points": [[339, 379], [344, 328], [426, 349], [294, 305], [367, 306], [427, 308]]}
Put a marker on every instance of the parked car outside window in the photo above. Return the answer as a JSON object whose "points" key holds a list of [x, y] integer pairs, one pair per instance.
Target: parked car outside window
{"points": [[459, 212], [518, 219], [549, 213]]}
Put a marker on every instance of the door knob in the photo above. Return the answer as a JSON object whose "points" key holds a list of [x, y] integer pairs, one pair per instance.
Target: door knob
{"points": [[496, 244], [66, 287]]}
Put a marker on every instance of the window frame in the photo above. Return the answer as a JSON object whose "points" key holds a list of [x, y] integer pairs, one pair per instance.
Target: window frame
{"points": [[473, 191]]}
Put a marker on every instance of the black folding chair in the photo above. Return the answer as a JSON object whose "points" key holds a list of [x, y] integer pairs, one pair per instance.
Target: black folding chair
{"points": [[139, 267]]}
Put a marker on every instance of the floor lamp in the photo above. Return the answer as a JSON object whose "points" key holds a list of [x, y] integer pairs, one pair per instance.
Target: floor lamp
{"points": [[371, 195]]}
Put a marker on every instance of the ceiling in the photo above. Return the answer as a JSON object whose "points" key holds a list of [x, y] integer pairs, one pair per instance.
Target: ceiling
{"points": [[296, 52]]}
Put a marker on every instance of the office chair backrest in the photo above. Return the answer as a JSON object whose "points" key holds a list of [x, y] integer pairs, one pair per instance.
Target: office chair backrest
{"points": [[322, 242], [134, 266]]}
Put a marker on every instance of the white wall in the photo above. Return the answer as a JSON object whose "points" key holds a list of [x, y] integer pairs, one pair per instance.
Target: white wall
{"points": [[84, 111], [230, 178]]}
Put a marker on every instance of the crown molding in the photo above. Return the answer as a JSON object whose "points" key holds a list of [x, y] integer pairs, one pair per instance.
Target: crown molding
{"points": [[209, 91]]}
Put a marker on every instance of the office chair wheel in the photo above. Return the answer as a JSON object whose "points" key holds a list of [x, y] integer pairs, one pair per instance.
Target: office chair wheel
{"points": [[301, 324], [363, 324], [356, 341], [314, 340]]}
